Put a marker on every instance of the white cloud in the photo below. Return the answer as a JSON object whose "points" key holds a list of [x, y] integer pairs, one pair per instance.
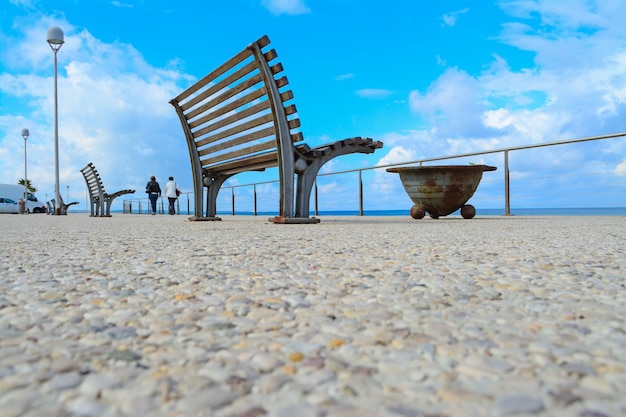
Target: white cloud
{"points": [[342, 77], [497, 119], [576, 89], [453, 103], [120, 4], [23, 3], [290, 7], [373, 93], [449, 19], [113, 111], [620, 169]]}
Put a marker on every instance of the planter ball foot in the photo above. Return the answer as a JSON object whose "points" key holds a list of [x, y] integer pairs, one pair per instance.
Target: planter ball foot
{"points": [[418, 211], [468, 211]]}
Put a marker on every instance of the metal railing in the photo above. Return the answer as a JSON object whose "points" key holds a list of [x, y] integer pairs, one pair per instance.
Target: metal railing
{"points": [[141, 203]]}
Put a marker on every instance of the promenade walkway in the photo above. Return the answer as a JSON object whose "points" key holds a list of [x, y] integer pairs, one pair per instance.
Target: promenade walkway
{"points": [[140, 315]]}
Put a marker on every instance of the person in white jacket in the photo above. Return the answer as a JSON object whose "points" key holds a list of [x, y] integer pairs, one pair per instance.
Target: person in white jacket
{"points": [[171, 192]]}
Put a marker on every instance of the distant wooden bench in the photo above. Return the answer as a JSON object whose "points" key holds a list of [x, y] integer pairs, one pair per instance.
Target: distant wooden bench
{"points": [[240, 118], [63, 206], [100, 200]]}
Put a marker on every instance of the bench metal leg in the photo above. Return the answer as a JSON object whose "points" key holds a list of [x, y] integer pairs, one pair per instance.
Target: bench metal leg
{"points": [[306, 180], [213, 188]]}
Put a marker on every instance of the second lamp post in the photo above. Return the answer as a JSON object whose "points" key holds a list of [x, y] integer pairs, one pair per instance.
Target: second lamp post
{"points": [[25, 135]]}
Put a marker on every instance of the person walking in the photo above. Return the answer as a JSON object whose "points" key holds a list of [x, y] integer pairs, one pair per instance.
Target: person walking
{"points": [[154, 192], [171, 192]]}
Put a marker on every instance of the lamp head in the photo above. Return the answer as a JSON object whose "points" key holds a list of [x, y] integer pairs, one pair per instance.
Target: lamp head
{"points": [[25, 133], [55, 37]]}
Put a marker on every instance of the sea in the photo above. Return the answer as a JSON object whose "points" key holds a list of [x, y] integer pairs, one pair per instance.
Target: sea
{"points": [[580, 211]]}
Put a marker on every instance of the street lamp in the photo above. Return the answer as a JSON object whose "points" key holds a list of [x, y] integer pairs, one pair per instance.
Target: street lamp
{"points": [[55, 40], [25, 135]]}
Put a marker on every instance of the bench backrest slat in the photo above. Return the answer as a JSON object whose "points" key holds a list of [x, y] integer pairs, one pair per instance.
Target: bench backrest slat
{"points": [[228, 88], [233, 118], [214, 88], [229, 113], [239, 105], [258, 146], [213, 75], [264, 41], [231, 133], [237, 89], [227, 108], [92, 177], [246, 113]]}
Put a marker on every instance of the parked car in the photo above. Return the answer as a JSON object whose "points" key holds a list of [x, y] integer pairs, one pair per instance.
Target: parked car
{"points": [[8, 206], [15, 192]]}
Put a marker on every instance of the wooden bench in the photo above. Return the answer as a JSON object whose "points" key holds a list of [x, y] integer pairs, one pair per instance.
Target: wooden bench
{"points": [[100, 200], [63, 206], [240, 117]]}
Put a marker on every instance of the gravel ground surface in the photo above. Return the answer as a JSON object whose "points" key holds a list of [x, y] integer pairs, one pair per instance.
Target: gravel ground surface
{"points": [[138, 315]]}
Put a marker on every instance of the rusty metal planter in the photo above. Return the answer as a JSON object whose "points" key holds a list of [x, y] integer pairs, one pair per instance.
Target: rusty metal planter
{"points": [[441, 190]]}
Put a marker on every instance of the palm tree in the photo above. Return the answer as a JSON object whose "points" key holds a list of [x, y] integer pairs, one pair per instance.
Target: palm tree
{"points": [[29, 186]]}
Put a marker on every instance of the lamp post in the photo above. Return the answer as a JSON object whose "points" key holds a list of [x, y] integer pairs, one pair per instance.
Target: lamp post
{"points": [[55, 40], [25, 135]]}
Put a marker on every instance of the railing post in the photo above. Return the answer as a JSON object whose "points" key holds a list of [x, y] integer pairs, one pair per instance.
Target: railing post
{"points": [[232, 198], [360, 192], [507, 190], [254, 191], [316, 206]]}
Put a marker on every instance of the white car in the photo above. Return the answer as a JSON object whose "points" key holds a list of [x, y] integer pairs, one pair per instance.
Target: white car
{"points": [[8, 206]]}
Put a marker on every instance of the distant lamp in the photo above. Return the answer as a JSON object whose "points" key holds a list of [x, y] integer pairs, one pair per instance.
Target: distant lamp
{"points": [[55, 40], [25, 135]]}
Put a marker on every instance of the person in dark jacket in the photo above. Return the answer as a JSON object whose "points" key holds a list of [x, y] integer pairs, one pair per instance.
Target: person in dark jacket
{"points": [[154, 192]]}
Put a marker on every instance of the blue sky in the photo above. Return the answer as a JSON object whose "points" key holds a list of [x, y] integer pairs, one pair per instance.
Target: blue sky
{"points": [[428, 78]]}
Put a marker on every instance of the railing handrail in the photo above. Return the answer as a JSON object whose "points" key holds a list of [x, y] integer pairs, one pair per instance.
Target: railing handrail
{"points": [[441, 158], [464, 155]]}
